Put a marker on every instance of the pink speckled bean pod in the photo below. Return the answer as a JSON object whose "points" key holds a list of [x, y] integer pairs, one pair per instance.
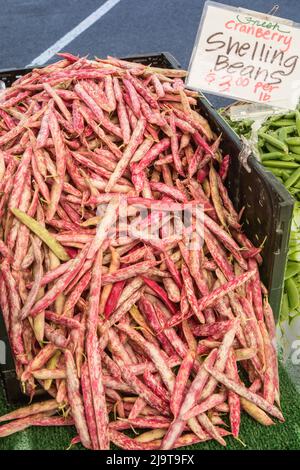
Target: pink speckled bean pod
{"points": [[181, 383], [233, 399]]}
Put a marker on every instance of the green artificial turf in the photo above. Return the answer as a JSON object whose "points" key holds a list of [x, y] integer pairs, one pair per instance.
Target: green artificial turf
{"points": [[254, 436]]}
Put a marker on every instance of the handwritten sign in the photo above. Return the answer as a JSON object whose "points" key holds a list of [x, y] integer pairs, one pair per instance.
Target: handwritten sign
{"points": [[246, 55]]}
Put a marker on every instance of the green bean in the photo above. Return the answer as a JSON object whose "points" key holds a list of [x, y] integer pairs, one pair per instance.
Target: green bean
{"points": [[297, 114], [247, 123], [282, 134], [290, 115], [293, 253], [294, 313], [270, 147], [285, 129], [292, 293], [290, 129], [294, 191], [276, 117], [281, 164], [295, 157], [295, 235], [294, 257], [288, 157], [293, 250], [273, 156], [285, 310], [264, 128], [297, 185], [283, 122], [284, 174], [42, 233], [291, 270], [261, 143], [293, 141], [292, 179], [274, 141], [294, 149]]}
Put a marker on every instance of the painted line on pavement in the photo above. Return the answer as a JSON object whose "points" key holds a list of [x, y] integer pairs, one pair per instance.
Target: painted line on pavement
{"points": [[74, 33]]}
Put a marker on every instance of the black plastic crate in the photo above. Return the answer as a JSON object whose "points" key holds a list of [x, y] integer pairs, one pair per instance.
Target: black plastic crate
{"points": [[266, 218], [7, 368]]}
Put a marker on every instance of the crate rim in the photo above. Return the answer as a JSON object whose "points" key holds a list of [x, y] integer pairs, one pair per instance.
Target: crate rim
{"points": [[173, 61]]}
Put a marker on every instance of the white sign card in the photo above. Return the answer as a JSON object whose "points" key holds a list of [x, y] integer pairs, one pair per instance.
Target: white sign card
{"points": [[246, 55]]}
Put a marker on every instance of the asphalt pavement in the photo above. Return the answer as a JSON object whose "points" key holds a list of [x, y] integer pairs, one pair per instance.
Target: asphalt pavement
{"points": [[29, 27]]}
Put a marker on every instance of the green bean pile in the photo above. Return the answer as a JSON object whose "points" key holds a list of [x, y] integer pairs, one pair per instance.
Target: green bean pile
{"points": [[279, 149], [291, 298]]}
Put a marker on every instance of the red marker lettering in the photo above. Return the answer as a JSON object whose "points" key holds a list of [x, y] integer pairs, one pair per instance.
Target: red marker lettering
{"points": [[230, 24]]}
